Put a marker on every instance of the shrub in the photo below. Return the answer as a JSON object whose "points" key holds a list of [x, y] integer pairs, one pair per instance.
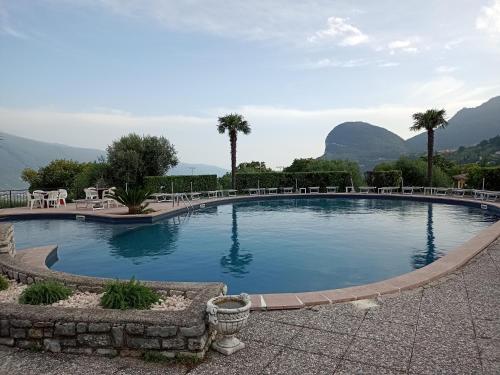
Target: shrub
{"points": [[4, 284], [133, 199], [286, 179], [383, 178], [124, 295], [182, 184], [45, 293]]}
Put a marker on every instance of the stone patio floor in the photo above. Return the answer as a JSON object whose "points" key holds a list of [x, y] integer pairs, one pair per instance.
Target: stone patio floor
{"points": [[451, 326]]}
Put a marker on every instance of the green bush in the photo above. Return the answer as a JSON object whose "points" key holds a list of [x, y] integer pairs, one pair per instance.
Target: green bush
{"points": [[383, 178], [45, 293], [182, 184], [124, 295], [292, 179], [476, 174], [4, 284]]}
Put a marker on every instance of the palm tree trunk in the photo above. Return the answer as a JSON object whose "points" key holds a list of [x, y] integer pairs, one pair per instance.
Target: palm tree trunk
{"points": [[430, 155], [233, 138]]}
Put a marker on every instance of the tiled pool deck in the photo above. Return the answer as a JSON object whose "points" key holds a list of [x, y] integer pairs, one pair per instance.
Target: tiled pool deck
{"points": [[451, 326]]}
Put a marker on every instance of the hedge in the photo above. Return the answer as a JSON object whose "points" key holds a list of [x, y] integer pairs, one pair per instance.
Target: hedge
{"points": [[384, 178], [182, 184], [491, 177], [293, 179]]}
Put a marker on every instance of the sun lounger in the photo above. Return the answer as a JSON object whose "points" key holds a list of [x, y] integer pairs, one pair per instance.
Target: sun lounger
{"points": [[253, 191], [350, 189], [332, 189], [302, 190], [313, 189], [366, 189], [388, 189], [407, 190], [287, 190], [441, 191], [162, 197], [272, 191], [195, 196], [231, 192]]}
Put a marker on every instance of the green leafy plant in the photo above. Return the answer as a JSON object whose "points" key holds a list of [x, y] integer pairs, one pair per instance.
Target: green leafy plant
{"points": [[4, 284], [45, 293], [124, 295], [134, 199]]}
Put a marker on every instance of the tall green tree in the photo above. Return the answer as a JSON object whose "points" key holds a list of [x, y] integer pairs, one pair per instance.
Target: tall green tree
{"points": [[132, 157], [233, 123], [429, 121]]}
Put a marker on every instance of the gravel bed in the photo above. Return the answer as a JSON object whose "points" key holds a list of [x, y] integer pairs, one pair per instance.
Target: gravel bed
{"points": [[92, 300]]}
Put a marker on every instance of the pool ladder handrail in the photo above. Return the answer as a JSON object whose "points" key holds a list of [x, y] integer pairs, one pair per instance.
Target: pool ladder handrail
{"points": [[186, 201]]}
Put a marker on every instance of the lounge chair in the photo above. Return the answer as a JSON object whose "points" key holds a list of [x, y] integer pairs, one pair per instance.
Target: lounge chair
{"points": [[253, 191], [350, 189], [272, 191], [407, 190], [314, 190], [231, 192], [287, 190], [195, 196], [332, 189], [302, 190], [161, 197], [366, 189], [441, 191]]}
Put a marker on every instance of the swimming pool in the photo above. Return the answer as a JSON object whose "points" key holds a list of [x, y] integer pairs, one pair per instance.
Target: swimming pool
{"points": [[279, 245]]}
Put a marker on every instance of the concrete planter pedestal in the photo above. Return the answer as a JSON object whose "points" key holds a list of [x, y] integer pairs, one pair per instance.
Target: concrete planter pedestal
{"points": [[228, 315]]}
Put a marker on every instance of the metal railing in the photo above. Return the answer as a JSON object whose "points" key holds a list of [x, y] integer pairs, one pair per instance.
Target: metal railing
{"points": [[13, 198]]}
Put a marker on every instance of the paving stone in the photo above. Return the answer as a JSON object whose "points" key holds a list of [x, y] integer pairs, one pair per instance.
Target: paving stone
{"points": [[379, 353], [490, 367], [347, 308], [489, 349], [399, 309], [297, 362], [445, 357], [269, 331], [321, 342], [387, 331], [487, 329], [329, 320], [349, 368], [29, 363]]}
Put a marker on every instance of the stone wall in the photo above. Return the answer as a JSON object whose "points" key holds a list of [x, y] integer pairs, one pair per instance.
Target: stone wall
{"points": [[7, 245], [100, 331]]}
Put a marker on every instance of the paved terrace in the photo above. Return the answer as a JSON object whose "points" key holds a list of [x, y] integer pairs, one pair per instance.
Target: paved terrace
{"points": [[451, 326]]}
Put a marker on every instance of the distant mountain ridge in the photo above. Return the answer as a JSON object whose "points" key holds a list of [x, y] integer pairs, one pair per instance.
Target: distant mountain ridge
{"points": [[370, 145], [17, 153]]}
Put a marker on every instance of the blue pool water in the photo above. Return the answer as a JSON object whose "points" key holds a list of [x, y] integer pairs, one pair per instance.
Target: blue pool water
{"points": [[265, 246]]}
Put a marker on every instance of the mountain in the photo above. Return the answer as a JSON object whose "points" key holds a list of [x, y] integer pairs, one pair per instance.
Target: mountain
{"points": [[186, 169], [486, 152], [368, 144], [468, 127], [17, 153]]}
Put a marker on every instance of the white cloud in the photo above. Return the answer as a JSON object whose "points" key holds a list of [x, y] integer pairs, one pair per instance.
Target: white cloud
{"points": [[332, 63], [488, 19], [453, 43], [5, 25], [444, 69], [405, 45], [341, 31], [388, 64]]}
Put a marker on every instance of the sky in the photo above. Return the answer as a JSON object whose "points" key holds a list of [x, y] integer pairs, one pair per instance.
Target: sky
{"points": [[85, 72]]}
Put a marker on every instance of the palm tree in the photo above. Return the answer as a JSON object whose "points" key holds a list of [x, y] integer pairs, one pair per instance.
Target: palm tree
{"points": [[430, 120], [233, 123]]}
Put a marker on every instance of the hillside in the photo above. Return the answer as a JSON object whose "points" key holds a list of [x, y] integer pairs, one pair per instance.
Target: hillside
{"points": [[486, 152], [17, 153], [367, 144], [468, 127]]}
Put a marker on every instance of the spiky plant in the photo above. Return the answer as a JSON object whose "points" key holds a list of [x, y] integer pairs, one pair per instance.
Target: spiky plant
{"points": [[125, 295], [134, 199], [45, 293]]}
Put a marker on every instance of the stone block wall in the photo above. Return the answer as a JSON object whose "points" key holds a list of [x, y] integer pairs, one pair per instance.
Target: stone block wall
{"points": [[7, 245]]}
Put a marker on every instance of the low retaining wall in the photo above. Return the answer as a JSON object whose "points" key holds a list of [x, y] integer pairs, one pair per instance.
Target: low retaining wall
{"points": [[100, 331]]}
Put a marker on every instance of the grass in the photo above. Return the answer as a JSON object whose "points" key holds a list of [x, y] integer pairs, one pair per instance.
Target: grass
{"points": [[45, 293], [128, 295], [4, 284]]}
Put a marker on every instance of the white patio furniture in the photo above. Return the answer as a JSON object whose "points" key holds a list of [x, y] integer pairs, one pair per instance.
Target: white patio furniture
{"points": [[407, 190], [332, 189], [314, 190], [272, 191], [253, 191], [302, 190], [52, 199], [63, 194], [195, 196], [32, 201], [231, 192], [366, 189], [388, 189], [212, 194], [350, 189], [287, 190], [162, 197], [441, 191]]}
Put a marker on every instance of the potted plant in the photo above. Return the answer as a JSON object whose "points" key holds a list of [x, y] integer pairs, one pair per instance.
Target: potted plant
{"points": [[228, 315]]}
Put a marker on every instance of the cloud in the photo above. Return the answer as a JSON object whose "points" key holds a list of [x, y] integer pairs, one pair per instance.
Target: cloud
{"points": [[406, 45], [453, 43], [341, 31], [5, 25], [332, 63], [488, 19], [388, 64], [444, 69]]}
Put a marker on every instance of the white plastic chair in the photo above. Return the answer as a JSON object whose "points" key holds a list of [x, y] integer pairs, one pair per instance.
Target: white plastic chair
{"points": [[52, 199], [63, 194], [32, 201]]}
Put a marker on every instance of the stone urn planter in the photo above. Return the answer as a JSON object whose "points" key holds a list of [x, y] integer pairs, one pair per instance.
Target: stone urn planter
{"points": [[228, 315]]}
